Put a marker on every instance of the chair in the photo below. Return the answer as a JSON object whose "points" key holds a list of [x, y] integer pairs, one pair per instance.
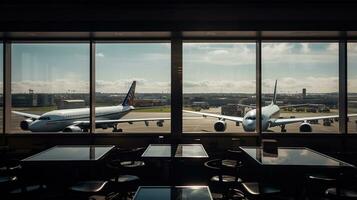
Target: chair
{"points": [[259, 190], [125, 168], [84, 189], [221, 180], [316, 184], [345, 187]]}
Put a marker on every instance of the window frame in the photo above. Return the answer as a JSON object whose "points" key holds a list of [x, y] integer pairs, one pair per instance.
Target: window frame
{"points": [[176, 39]]}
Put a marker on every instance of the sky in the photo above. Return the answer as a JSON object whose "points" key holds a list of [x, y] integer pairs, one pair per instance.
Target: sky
{"points": [[207, 67]]}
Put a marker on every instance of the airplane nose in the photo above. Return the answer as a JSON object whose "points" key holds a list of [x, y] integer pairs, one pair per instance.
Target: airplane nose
{"points": [[249, 125]]}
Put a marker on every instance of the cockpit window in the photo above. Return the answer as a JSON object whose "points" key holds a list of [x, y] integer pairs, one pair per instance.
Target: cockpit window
{"points": [[251, 117], [44, 118]]}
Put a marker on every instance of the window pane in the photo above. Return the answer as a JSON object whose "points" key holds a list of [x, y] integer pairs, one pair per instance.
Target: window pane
{"points": [[219, 78], [143, 67], [307, 87], [50, 81], [352, 87]]}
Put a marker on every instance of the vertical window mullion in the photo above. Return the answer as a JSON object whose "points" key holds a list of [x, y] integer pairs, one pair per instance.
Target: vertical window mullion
{"points": [[176, 84], [342, 86], [92, 86], [7, 86], [258, 88]]}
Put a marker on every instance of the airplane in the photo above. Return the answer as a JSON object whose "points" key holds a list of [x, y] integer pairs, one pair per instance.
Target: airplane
{"points": [[270, 118], [77, 120]]}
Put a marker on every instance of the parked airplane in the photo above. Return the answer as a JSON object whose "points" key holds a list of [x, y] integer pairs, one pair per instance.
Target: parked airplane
{"points": [[77, 120], [270, 118]]}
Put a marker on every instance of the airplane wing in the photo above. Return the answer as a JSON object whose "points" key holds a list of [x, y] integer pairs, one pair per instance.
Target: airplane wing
{"points": [[298, 105], [221, 117], [27, 115], [278, 122], [117, 121], [248, 106]]}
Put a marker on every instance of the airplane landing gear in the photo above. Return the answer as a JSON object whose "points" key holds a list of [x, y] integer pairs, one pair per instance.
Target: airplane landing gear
{"points": [[283, 130], [117, 130]]}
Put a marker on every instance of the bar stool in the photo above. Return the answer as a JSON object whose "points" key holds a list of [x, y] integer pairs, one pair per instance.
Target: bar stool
{"points": [[84, 189], [317, 184], [219, 181], [257, 190]]}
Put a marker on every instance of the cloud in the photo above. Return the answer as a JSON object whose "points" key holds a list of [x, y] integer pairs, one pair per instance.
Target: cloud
{"points": [[77, 86], [100, 54], [207, 86]]}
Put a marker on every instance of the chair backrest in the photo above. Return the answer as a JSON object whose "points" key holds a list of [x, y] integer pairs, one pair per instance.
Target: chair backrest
{"points": [[270, 147]]}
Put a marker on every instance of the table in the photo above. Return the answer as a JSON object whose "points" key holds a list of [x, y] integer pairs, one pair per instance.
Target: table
{"points": [[181, 151], [67, 161], [294, 156], [171, 157], [173, 193], [66, 153], [291, 165]]}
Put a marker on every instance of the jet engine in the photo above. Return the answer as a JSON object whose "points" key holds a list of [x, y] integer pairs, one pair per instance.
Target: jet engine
{"points": [[305, 127], [220, 126], [72, 128], [25, 124], [160, 123]]}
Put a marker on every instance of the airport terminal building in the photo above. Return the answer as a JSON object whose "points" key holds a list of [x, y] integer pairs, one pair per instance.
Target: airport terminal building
{"points": [[252, 90]]}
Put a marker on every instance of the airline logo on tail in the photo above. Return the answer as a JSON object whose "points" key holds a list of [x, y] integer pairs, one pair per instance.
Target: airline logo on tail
{"points": [[274, 96], [129, 99]]}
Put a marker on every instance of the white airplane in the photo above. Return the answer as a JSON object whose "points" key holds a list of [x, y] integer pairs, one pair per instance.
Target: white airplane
{"points": [[77, 120], [270, 118]]}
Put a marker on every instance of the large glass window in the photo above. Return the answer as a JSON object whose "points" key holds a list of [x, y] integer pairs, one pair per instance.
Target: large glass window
{"points": [[306, 80], [219, 87], [133, 87], [352, 87], [50, 87]]}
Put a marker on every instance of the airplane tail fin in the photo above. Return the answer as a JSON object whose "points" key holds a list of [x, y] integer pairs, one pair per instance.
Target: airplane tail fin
{"points": [[129, 99], [274, 97]]}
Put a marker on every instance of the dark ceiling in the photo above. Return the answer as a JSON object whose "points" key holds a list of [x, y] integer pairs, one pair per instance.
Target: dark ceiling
{"points": [[174, 15]]}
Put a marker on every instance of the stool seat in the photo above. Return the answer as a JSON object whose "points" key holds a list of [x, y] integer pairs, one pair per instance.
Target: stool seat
{"points": [[226, 179], [88, 186], [125, 178], [231, 163], [29, 188], [7, 179], [345, 193], [132, 164], [254, 188], [320, 177]]}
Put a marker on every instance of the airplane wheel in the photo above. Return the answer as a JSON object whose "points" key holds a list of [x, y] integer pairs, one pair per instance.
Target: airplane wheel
{"points": [[115, 130]]}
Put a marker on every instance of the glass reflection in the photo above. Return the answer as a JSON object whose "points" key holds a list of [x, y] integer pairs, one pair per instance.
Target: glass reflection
{"points": [[293, 156], [173, 193], [68, 153]]}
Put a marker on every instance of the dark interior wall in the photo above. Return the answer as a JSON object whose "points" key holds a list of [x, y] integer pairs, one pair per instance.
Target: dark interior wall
{"points": [[172, 15]]}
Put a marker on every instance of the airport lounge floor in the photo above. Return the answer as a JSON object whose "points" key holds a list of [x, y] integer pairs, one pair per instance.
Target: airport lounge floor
{"points": [[226, 172]]}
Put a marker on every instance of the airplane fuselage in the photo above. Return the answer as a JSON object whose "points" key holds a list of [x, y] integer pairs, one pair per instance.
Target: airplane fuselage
{"points": [[58, 120], [269, 113]]}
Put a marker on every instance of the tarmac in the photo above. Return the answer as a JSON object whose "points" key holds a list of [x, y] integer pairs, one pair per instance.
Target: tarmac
{"points": [[199, 124]]}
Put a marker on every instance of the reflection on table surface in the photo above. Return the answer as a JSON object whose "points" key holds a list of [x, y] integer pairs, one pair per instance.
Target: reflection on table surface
{"points": [[173, 193], [181, 151], [294, 156], [191, 151], [71, 153]]}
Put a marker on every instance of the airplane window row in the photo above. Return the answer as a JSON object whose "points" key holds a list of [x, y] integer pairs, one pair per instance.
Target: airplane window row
{"points": [[300, 91]]}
